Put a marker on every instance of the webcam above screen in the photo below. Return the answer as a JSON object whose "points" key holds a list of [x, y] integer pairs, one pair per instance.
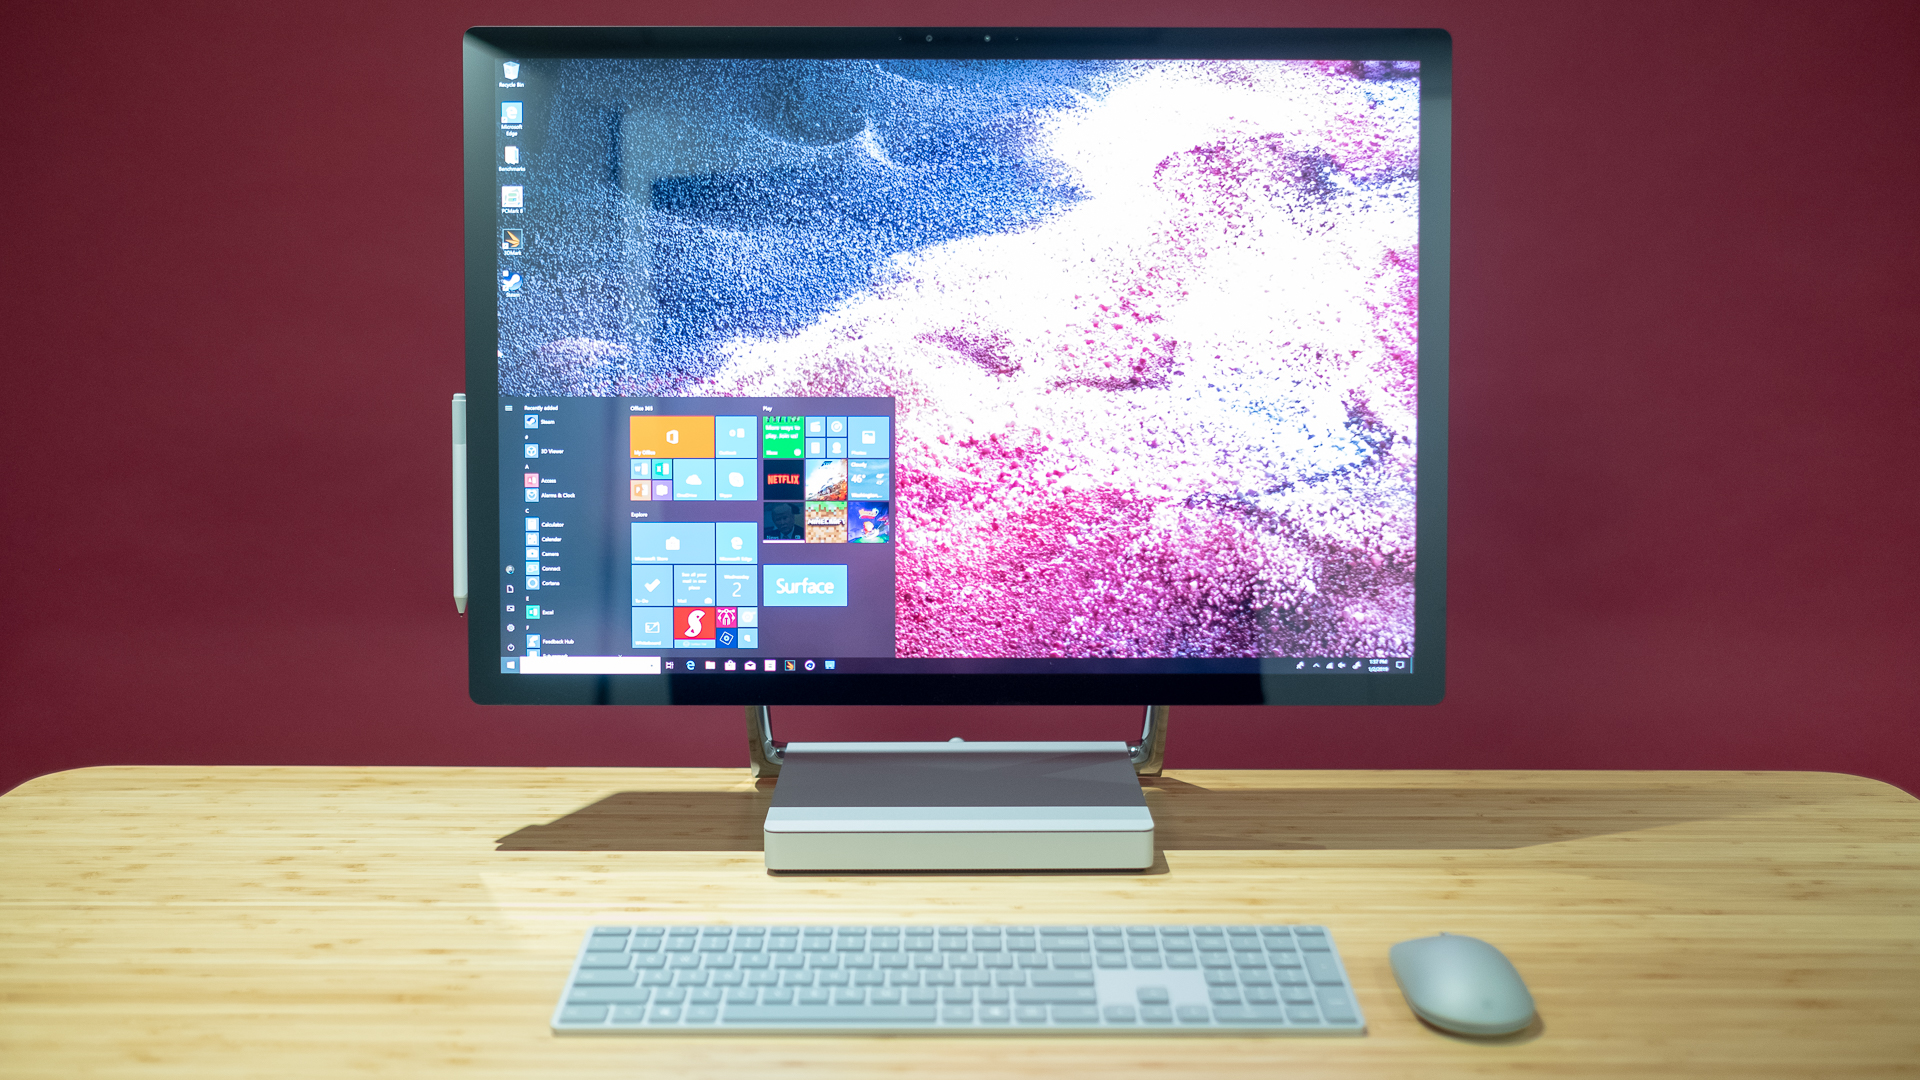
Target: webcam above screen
{"points": [[983, 366]]}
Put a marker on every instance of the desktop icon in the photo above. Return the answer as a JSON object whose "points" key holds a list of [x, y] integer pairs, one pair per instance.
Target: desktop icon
{"points": [[513, 241], [510, 153], [531, 450], [511, 69], [809, 665], [829, 664], [513, 112], [513, 196], [728, 666], [709, 665], [510, 283], [531, 420], [1301, 665], [750, 666], [789, 665]]}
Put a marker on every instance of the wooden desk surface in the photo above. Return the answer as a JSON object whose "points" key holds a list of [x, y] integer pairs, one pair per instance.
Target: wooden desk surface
{"points": [[311, 922]]}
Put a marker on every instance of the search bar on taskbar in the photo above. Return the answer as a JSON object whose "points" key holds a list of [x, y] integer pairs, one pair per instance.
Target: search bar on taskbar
{"points": [[589, 665]]}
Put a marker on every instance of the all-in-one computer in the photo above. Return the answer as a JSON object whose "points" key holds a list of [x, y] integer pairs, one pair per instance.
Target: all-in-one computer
{"points": [[937, 366]]}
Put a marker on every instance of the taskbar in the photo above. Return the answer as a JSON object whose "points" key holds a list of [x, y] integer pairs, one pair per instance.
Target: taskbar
{"points": [[708, 662]]}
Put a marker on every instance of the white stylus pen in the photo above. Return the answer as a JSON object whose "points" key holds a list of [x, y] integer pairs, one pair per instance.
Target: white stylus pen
{"points": [[460, 503]]}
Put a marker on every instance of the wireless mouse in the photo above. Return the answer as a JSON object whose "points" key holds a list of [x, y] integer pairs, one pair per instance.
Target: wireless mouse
{"points": [[1462, 984]]}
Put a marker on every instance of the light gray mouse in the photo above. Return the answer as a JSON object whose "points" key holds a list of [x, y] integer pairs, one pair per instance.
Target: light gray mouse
{"points": [[1462, 984]]}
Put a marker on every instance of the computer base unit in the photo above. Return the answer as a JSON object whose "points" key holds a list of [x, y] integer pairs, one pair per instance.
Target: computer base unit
{"points": [[958, 806]]}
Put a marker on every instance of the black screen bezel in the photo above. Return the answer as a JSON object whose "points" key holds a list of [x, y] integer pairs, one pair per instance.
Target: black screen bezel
{"points": [[1425, 684]]}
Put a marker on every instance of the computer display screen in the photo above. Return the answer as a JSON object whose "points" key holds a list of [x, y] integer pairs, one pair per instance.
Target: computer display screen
{"points": [[955, 373]]}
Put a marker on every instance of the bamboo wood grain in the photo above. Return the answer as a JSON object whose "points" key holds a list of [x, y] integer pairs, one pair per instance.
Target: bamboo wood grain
{"points": [[313, 922]]}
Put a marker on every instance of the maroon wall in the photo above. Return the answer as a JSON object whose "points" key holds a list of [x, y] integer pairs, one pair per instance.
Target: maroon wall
{"points": [[1685, 396]]}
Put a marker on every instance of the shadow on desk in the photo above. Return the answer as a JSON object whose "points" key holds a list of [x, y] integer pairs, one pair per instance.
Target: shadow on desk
{"points": [[1188, 817]]}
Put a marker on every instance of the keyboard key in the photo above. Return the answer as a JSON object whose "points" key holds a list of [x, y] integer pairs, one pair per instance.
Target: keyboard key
{"points": [[606, 944], [669, 997], [849, 997], [1156, 1014], [1062, 978], [842, 1014], [663, 1014], [1247, 1014], [1193, 1014], [956, 1014], [1110, 961], [956, 997], [1009, 978], [1320, 968], [745, 995], [994, 997], [1336, 1005], [608, 995], [1221, 978], [627, 1014], [885, 997], [1076, 1014], [814, 995], [922, 997], [1146, 962], [1118, 1014], [583, 1014], [995, 1014], [1152, 995], [656, 978], [1061, 995], [1224, 995], [1303, 1014], [1296, 995], [776, 996], [1261, 995], [1067, 960], [1030, 1014], [605, 978], [690, 978]]}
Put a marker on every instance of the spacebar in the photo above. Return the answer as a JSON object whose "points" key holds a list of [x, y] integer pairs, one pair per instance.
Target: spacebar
{"points": [[804, 1014]]}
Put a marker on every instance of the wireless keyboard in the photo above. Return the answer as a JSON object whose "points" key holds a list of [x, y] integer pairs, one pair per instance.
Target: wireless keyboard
{"points": [[1280, 980]]}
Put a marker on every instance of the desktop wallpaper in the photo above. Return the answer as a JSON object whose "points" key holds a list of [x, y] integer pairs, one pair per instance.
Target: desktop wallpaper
{"points": [[1149, 326]]}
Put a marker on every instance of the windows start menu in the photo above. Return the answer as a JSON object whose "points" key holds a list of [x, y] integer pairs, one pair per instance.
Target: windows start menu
{"points": [[648, 527]]}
